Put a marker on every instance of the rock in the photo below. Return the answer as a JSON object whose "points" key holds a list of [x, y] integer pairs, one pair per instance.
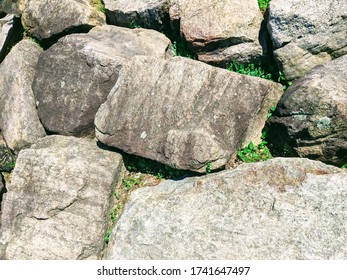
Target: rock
{"points": [[311, 117], [150, 14], [57, 204], [307, 33], [184, 113], [221, 31], [76, 74], [19, 121], [59, 16], [1, 188], [9, 7], [278, 209], [9, 33]]}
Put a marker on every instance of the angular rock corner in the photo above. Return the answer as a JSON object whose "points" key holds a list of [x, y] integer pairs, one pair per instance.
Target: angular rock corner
{"points": [[57, 204], [275, 210], [184, 113], [76, 74]]}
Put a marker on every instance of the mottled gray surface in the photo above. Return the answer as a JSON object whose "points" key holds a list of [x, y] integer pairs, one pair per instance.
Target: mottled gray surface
{"points": [[306, 33], [19, 121], [58, 201], [311, 116], [184, 113], [145, 13], [9, 33], [75, 75], [45, 18], [279, 209]]}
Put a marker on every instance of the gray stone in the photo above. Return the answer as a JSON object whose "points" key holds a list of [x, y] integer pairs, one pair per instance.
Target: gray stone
{"points": [[311, 116], [278, 209], [307, 33], [19, 121], [9, 33], [9, 7], [57, 204], [76, 74], [221, 31], [145, 13], [183, 112], [46, 18]]}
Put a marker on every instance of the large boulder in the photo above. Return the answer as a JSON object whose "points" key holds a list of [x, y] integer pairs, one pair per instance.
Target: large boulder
{"points": [[57, 204], [311, 117], [9, 7], [183, 112], [221, 31], [145, 13], [46, 18], [307, 33], [19, 121], [278, 209], [9, 33], [76, 74]]}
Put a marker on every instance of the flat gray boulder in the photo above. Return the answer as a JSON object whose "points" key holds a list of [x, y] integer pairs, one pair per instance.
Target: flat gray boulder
{"points": [[76, 74], [145, 13], [184, 113], [9, 33], [311, 117], [57, 204], [274, 210], [46, 18], [19, 121], [307, 33]]}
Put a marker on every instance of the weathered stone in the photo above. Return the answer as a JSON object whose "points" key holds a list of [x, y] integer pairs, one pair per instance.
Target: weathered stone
{"points": [[1, 188], [184, 113], [19, 121], [9, 33], [46, 18], [307, 33], [9, 7], [145, 13], [278, 209], [311, 117], [76, 74], [57, 204], [221, 31]]}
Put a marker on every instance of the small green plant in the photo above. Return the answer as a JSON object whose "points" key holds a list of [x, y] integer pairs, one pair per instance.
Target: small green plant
{"points": [[99, 5], [263, 4], [344, 166], [269, 114], [133, 24], [107, 236], [131, 182], [208, 167], [180, 48], [253, 153], [250, 69], [282, 79]]}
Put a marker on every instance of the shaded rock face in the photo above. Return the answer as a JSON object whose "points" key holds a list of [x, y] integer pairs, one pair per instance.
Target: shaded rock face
{"points": [[19, 121], [59, 16], [184, 113], [220, 30], [307, 33], [7, 158], [311, 116], [145, 13], [9, 7], [279, 209], [76, 74], [58, 201], [9, 33]]}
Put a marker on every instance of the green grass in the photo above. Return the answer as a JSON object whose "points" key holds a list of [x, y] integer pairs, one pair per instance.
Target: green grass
{"points": [[263, 4], [180, 48], [250, 70], [344, 166], [253, 153], [99, 5], [133, 24]]}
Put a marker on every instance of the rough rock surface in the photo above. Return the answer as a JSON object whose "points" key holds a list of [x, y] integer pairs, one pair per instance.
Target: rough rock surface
{"points": [[76, 74], [57, 204], [1, 188], [45, 18], [19, 121], [311, 116], [220, 30], [9, 33], [146, 13], [9, 7], [307, 33], [279, 209], [184, 113]]}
